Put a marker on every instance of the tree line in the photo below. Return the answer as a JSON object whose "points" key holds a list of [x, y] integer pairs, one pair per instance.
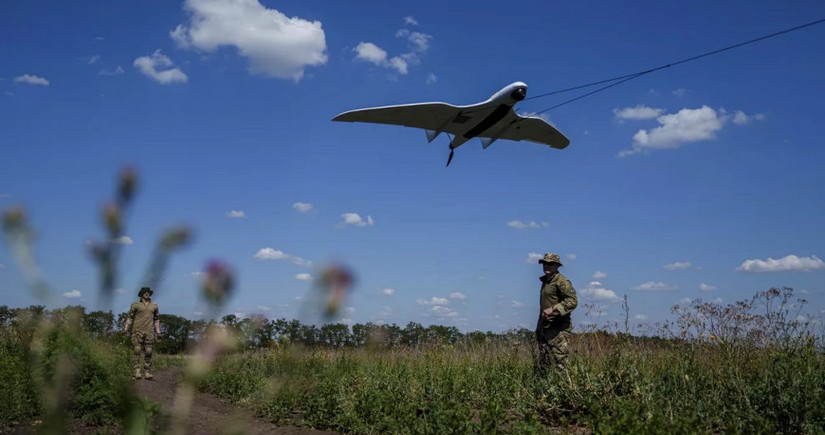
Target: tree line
{"points": [[255, 332]]}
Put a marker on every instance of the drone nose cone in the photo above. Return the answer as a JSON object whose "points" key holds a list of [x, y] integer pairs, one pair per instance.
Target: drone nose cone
{"points": [[519, 94]]}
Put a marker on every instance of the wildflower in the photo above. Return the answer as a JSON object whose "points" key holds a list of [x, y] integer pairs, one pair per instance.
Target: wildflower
{"points": [[175, 238], [218, 283], [126, 186], [113, 220]]}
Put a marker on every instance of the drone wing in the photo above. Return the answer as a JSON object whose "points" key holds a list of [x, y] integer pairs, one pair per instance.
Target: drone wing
{"points": [[535, 130], [429, 116]]}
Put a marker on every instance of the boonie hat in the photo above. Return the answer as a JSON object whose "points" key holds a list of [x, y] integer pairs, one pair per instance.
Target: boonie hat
{"points": [[551, 258], [144, 290]]}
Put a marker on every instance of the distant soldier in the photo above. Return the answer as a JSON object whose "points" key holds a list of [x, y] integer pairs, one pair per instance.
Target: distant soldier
{"points": [[557, 299], [143, 315]]}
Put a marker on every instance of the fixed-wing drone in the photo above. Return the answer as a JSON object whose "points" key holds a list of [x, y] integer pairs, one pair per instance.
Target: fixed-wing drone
{"points": [[489, 120]]}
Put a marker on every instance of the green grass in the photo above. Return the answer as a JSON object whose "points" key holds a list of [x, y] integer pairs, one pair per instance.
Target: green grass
{"points": [[630, 388]]}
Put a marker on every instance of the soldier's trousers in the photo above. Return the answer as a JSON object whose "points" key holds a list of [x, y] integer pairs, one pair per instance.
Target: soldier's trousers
{"points": [[142, 347], [553, 349]]}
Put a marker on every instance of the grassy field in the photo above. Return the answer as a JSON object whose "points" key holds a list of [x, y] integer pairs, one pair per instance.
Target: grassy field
{"points": [[612, 386]]}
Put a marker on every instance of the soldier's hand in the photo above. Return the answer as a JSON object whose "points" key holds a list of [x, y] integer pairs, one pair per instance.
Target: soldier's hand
{"points": [[158, 337], [124, 332], [550, 313]]}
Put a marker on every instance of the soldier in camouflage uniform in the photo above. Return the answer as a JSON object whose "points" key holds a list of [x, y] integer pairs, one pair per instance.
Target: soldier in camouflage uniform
{"points": [[557, 299], [143, 317]]}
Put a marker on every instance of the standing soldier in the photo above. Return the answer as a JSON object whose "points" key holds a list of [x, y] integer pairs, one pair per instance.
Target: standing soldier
{"points": [[143, 314], [557, 299]]}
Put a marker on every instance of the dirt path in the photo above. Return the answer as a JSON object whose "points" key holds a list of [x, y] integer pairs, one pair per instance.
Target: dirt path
{"points": [[209, 415]]}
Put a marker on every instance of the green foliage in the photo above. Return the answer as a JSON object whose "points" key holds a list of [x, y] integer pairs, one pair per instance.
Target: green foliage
{"points": [[19, 401]]}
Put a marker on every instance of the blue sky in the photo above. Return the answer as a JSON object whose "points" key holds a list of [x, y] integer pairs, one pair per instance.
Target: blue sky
{"points": [[699, 181]]}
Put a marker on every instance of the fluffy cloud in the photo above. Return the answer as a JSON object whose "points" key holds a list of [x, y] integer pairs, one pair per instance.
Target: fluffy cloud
{"points": [[409, 20], [741, 118], [678, 265], [123, 240], [534, 257], [355, 220], [74, 294], [784, 264], [458, 296], [675, 130], [303, 277], [419, 44], [115, 72], [640, 317], [277, 254], [433, 301], [519, 225], [637, 113], [654, 286], [236, 214], [516, 304], [302, 207], [706, 287], [599, 275], [31, 80], [160, 68], [274, 44], [263, 308], [431, 78], [442, 311], [597, 292], [388, 291]]}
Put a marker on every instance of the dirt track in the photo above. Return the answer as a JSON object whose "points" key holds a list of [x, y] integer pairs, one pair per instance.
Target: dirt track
{"points": [[209, 415]]}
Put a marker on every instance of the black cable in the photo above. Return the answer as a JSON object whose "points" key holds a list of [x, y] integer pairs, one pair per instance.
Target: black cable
{"points": [[624, 78]]}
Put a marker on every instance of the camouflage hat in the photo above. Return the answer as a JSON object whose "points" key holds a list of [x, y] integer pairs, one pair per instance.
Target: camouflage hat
{"points": [[550, 258], [145, 290]]}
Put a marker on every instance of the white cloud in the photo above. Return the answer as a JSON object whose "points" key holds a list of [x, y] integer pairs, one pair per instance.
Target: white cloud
{"points": [[784, 264], [517, 304], [571, 256], [458, 296], [274, 44], [637, 113], [706, 287], [433, 301], [685, 301], [115, 72], [741, 118], [679, 92], [74, 294], [123, 240], [519, 225], [442, 311], [355, 219], [302, 207], [31, 80], [346, 321], [388, 291], [419, 44], [277, 254], [303, 277], [197, 275], [678, 265], [654, 286], [236, 214], [640, 317], [675, 130], [160, 68], [410, 21], [534, 257], [599, 275], [431, 78], [91, 60], [263, 308], [597, 292]]}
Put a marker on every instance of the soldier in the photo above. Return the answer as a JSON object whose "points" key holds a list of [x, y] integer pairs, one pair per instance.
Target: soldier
{"points": [[143, 314], [557, 299]]}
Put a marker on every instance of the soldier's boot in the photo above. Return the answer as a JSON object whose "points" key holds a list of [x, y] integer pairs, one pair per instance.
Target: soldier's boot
{"points": [[137, 374], [148, 376]]}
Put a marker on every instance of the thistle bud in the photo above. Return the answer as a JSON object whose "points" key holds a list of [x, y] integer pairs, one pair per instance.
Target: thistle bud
{"points": [[112, 219], [14, 220], [126, 185], [175, 238], [219, 282]]}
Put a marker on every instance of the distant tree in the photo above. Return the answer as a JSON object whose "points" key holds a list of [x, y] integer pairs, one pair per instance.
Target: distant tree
{"points": [[413, 334], [335, 335], [175, 332], [359, 334], [99, 324]]}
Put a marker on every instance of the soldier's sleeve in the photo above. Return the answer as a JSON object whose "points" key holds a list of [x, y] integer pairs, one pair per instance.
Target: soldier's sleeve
{"points": [[569, 300], [132, 310]]}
